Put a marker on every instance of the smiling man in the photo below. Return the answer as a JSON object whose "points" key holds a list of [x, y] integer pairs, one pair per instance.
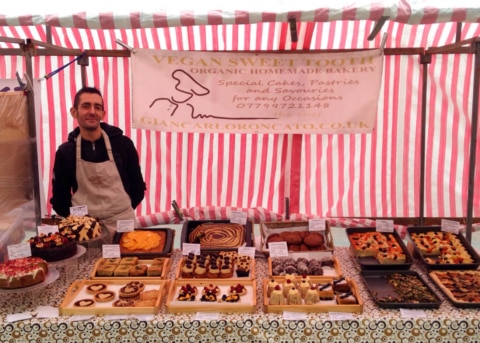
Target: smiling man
{"points": [[98, 166]]}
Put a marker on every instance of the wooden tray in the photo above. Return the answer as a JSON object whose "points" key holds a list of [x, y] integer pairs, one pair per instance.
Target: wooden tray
{"points": [[251, 276], [335, 271], [167, 264], [322, 306], [246, 304], [467, 284], [268, 228], [77, 291]]}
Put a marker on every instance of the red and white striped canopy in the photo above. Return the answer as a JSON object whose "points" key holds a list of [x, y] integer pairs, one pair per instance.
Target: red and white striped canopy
{"points": [[360, 175], [91, 14]]}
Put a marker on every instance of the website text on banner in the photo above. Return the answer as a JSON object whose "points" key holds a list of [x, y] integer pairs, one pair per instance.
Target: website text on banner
{"points": [[192, 91]]}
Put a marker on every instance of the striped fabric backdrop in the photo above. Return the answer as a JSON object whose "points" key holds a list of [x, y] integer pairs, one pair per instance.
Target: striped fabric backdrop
{"points": [[324, 175]]}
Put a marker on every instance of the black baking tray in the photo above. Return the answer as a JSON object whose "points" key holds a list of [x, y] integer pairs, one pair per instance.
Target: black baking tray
{"points": [[377, 284], [190, 225], [371, 263], [456, 302], [435, 266], [167, 248]]}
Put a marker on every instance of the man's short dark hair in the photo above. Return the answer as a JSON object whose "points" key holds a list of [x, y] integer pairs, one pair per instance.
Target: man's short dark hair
{"points": [[91, 90]]}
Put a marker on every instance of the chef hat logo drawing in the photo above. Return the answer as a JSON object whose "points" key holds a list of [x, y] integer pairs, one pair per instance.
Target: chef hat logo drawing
{"points": [[186, 87]]}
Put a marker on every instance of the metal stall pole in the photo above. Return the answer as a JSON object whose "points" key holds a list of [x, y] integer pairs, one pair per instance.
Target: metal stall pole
{"points": [[425, 60], [473, 140], [29, 51]]}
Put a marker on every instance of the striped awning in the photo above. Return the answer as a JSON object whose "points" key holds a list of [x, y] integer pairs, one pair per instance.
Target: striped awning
{"points": [[136, 14]]}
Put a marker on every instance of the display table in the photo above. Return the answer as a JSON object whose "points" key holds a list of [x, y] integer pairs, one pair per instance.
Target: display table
{"points": [[446, 324]]}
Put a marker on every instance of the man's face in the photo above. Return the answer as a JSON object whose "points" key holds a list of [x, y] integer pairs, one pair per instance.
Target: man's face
{"points": [[89, 112]]}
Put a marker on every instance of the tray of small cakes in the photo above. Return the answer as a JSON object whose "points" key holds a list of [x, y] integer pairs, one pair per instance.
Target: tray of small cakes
{"points": [[301, 242], [313, 294], [131, 267], [462, 287], [126, 296], [217, 235], [322, 266], [216, 265], [437, 249], [145, 242], [375, 250], [221, 295], [399, 289]]}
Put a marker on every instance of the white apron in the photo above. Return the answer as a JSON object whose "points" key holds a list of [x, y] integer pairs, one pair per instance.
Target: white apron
{"points": [[101, 189]]}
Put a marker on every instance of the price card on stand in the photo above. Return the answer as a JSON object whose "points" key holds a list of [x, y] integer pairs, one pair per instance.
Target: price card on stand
{"points": [[125, 225], [238, 217], [188, 248], [384, 225], [450, 226], [246, 251], [316, 225], [19, 251], [278, 249], [79, 210], [111, 251], [46, 229]]}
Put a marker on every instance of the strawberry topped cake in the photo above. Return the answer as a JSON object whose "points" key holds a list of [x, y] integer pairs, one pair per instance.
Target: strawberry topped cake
{"points": [[22, 272]]}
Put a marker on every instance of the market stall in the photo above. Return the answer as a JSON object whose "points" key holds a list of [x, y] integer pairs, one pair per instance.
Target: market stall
{"points": [[416, 166]]}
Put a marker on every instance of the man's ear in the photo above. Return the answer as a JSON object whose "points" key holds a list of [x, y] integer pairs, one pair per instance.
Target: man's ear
{"points": [[73, 112]]}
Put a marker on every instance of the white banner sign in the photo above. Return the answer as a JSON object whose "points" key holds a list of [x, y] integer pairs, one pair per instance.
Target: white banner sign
{"points": [[193, 91]]}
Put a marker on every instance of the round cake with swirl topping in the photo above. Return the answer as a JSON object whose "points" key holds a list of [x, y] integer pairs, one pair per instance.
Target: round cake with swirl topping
{"points": [[218, 235]]}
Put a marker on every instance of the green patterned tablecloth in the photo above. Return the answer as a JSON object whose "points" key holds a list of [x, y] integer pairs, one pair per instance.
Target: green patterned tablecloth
{"points": [[446, 324]]}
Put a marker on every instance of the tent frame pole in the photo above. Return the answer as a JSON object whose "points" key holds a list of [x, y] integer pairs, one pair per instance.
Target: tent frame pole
{"points": [[473, 140], [425, 60]]}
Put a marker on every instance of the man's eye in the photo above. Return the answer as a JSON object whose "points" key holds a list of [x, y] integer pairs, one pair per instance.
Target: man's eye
{"points": [[87, 106]]}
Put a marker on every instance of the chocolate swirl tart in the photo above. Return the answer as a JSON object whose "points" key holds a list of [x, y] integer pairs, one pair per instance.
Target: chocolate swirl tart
{"points": [[218, 235]]}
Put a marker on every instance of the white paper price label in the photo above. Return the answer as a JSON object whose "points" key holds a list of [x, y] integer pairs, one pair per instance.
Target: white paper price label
{"points": [[111, 251], [412, 313], [125, 225], [340, 316], [247, 251], [384, 225], [296, 316], [46, 229], [238, 217], [79, 210], [188, 248], [278, 249], [450, 226], [207, 316], [19, 251], [316, 225]]}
